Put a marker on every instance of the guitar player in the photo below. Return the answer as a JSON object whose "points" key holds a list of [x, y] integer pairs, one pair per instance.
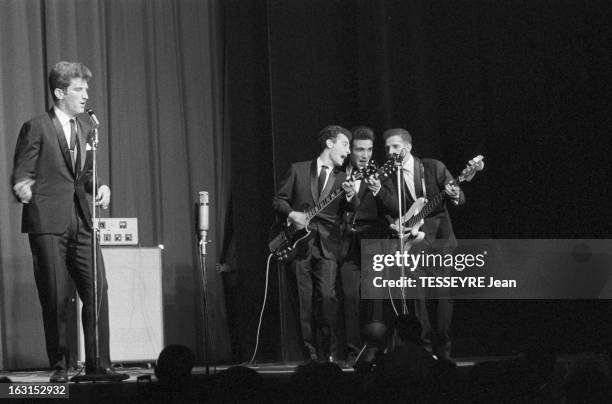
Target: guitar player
{"points": [[426, 177], [315, 263]]}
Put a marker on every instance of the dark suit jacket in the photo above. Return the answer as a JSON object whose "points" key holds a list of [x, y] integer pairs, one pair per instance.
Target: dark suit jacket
{"points": [[365, 222], [42, 154], [438, 225], [298, 191]]}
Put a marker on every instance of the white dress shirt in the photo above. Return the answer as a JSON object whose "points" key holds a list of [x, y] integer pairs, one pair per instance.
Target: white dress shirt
{"points": [[64, 120]]}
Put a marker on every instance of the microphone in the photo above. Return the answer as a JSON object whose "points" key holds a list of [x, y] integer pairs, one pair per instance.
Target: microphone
{"points": [[398, 157], [203, 219], [93, 117], [203, 211]]}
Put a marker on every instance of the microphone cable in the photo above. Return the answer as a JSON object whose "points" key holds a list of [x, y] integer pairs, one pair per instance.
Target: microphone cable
{"points": [[263, 307]]}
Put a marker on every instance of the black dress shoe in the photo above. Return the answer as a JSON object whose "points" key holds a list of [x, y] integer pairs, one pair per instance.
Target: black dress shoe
{"points": [[100, 374], [59, 376]]}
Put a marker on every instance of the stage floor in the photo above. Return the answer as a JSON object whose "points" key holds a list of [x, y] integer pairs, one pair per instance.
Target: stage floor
{"points": [[265, 369], [142, 381]]}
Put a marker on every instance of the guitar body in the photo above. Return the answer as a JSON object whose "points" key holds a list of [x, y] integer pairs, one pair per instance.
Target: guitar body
{"points": [[286, 239]]}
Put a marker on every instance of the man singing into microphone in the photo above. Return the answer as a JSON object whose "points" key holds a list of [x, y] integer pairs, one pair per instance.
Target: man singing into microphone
{"points": [[52, 173]]}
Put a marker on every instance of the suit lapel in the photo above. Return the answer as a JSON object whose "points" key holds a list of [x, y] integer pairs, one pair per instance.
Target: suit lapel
{"points": [[59, 132], [313, 181], [81, 138]]}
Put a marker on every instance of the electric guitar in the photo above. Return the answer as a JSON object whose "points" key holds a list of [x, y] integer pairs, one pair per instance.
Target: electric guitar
{"points": [[284, 243], [413, 219]]}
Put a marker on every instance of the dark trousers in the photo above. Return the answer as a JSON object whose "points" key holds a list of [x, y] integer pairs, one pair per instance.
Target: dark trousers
{"points": [[316, 279], [434, 308], [58, 257], [350, 277], [435, 316]]}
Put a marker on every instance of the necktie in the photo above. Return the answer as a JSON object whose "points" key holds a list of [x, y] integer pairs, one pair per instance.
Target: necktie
{"points": [[409, 178], [73, 142], [322, 177]]}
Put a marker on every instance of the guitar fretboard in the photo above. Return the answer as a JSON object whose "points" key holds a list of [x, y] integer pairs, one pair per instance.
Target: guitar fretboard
{"points": [[312, 212], [429, 206]]}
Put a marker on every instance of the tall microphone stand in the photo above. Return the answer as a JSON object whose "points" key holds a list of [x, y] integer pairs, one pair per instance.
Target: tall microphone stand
{"points": [[203, 226], [400, 226], [99, 374]]}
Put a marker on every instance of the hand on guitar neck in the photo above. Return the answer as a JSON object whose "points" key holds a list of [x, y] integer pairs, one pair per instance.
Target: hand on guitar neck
{"points": [[453, 191]]}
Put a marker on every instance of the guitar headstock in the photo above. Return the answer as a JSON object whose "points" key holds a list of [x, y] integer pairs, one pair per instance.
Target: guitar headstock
{"points": [[371, 169], [365, 172], [474, 165], [389, 167]]}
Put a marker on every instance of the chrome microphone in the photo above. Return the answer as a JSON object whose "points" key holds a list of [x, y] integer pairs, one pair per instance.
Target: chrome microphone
{"points": [[93, 117], [203, 216]]}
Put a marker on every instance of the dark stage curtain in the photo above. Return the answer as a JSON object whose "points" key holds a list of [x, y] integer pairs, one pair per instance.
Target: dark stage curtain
{"points": [[158, 88]]}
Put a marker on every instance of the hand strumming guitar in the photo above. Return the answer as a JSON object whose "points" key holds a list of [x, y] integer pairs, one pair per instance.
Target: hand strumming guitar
{"points": [[299, 219]]}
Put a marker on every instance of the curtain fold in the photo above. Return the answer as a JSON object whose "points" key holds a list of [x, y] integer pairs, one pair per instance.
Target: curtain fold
{"points": [[157, 89]]}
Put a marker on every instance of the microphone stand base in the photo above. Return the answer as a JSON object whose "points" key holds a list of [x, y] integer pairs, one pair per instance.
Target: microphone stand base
{"points": [[100, 375]]}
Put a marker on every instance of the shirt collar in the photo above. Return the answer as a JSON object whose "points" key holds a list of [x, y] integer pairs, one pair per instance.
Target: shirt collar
{"points": [[320, 164], [63, 117], [408, 163]]}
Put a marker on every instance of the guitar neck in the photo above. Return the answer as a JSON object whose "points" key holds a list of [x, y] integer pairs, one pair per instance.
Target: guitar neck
{"points": [[322, 204], [428, 208], [336, 193]]}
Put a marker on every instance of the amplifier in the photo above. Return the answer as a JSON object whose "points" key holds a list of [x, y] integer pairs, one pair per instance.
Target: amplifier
{"points": [[134, 276]]}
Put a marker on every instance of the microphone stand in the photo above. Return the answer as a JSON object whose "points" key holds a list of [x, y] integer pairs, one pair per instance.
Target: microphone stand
{"points": [[99, 374], [202, 253], [400, 226]]}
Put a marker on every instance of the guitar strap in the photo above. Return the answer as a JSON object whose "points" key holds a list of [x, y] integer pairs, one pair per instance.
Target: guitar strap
{"points": [[423, 178]]}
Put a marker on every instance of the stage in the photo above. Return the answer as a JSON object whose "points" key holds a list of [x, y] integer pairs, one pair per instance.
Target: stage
{"points": [[142, 385], [143, 376]]}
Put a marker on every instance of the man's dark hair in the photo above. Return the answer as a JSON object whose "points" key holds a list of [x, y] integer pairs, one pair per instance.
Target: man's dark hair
{"points": [[362, 133], [403, 133], [63, 72], [332, 132]]}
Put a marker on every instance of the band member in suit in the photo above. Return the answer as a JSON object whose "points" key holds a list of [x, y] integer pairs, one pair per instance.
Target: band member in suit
{"points": [[435, 309], [365, 222], [315, 264], [52, 173]]}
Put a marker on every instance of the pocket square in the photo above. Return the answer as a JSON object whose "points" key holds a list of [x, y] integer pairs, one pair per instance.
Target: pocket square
{"points": [[88, 147]]}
